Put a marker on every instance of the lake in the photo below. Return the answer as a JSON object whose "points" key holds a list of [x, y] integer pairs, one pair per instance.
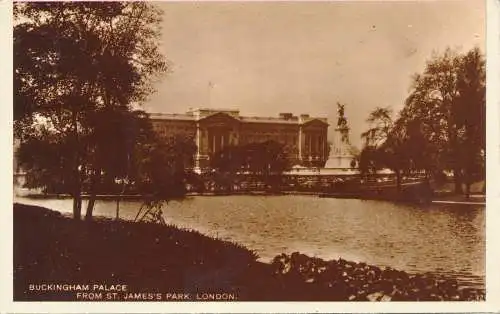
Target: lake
{"points": [[444, 239]]}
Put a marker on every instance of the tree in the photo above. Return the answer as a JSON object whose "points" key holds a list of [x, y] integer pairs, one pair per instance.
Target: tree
{"points": [[73, 61], [374, 153], [228, 163], [163, 167], [380, 121], [265, 159], [369, 160], [161, 173], [229, 160], [441, 126], [42, 158], [112, 150], [470, 112], [447, 102], [386, 145]]}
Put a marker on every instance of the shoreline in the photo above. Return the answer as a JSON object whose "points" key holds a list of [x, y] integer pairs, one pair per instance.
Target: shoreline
{"points": [[472, 280], [50, 247], [475, 199]]}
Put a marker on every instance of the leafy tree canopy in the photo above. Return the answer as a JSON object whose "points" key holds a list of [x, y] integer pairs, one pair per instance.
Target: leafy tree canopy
{"points": [[442, 125], [79, 68], [264, 158]]}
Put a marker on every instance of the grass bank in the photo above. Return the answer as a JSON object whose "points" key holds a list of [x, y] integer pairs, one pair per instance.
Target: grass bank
{"points": [[55, 256]]}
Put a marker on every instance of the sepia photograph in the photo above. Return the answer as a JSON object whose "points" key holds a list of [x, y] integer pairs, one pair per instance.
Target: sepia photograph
{"points": [[249, 151]]}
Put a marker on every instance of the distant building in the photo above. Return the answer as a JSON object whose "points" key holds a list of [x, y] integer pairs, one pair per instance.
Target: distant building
{"points": [[304, 137]]}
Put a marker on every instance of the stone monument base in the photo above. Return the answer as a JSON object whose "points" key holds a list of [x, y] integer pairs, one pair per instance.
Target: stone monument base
{"points": [[339, 162]]}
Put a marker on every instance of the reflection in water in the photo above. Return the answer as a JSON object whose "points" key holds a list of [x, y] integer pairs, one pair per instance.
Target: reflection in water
{"points": [[448, 239]]}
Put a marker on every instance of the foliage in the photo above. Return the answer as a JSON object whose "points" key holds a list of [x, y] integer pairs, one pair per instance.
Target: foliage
{"points": [[70, 54], [230, 159], [266, 160], [448, 104], [43, 159], [382, 144], [471, 115], [78, 69], [263, 158], [380, 120], [164, 166], [369, 160], [442, 125]]}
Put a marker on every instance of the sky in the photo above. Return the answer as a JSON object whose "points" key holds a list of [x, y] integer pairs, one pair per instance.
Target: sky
{"points": [[264, 58]]}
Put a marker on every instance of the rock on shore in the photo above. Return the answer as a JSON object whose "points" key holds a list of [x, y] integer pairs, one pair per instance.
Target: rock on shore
{"points": [[361, 282]]}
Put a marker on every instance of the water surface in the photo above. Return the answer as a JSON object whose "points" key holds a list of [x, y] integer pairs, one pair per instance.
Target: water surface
{"points": [[446, 239]]}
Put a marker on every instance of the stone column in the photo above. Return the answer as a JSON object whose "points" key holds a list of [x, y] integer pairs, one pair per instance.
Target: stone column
{"points": [[320, 147], [236, 137], [211, 142], [300, 143], [214, 142], [217, 141], [198, 140], [309, 141], [323, 146], [198, 146], [314, 144]]}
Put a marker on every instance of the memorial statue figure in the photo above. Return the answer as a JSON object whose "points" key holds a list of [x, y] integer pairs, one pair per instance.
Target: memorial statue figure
{"points": [[342, 123]]}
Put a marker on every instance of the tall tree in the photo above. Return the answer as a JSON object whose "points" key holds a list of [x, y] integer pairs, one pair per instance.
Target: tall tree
{"points": [[441, 126], [470, 112], [112, 150], [266, 160], [447, 103], [380, 121], [73, 60], [383, 146], [163, 166]]}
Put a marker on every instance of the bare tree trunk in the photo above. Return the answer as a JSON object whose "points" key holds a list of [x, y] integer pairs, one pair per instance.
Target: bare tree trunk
{"points": [[77, 185], [124, 185], [118, 208], [457, 177], [468, 183], [92, 196], [90, 207], [455, 152], [398, 180], [77, 205]]}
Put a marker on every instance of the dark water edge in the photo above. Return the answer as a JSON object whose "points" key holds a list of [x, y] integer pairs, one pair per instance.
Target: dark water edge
{"points": [[442, 239], [51, 248]]}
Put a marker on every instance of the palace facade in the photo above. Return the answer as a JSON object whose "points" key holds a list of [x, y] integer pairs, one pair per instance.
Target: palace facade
{"points": [[304, 137]]}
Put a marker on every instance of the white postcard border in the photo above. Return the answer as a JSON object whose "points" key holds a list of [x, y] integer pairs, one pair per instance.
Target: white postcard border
{"points": [[492, 303]]}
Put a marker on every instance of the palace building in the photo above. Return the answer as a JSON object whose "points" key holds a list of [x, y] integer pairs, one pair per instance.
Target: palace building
{"points": [[304, 137]]}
